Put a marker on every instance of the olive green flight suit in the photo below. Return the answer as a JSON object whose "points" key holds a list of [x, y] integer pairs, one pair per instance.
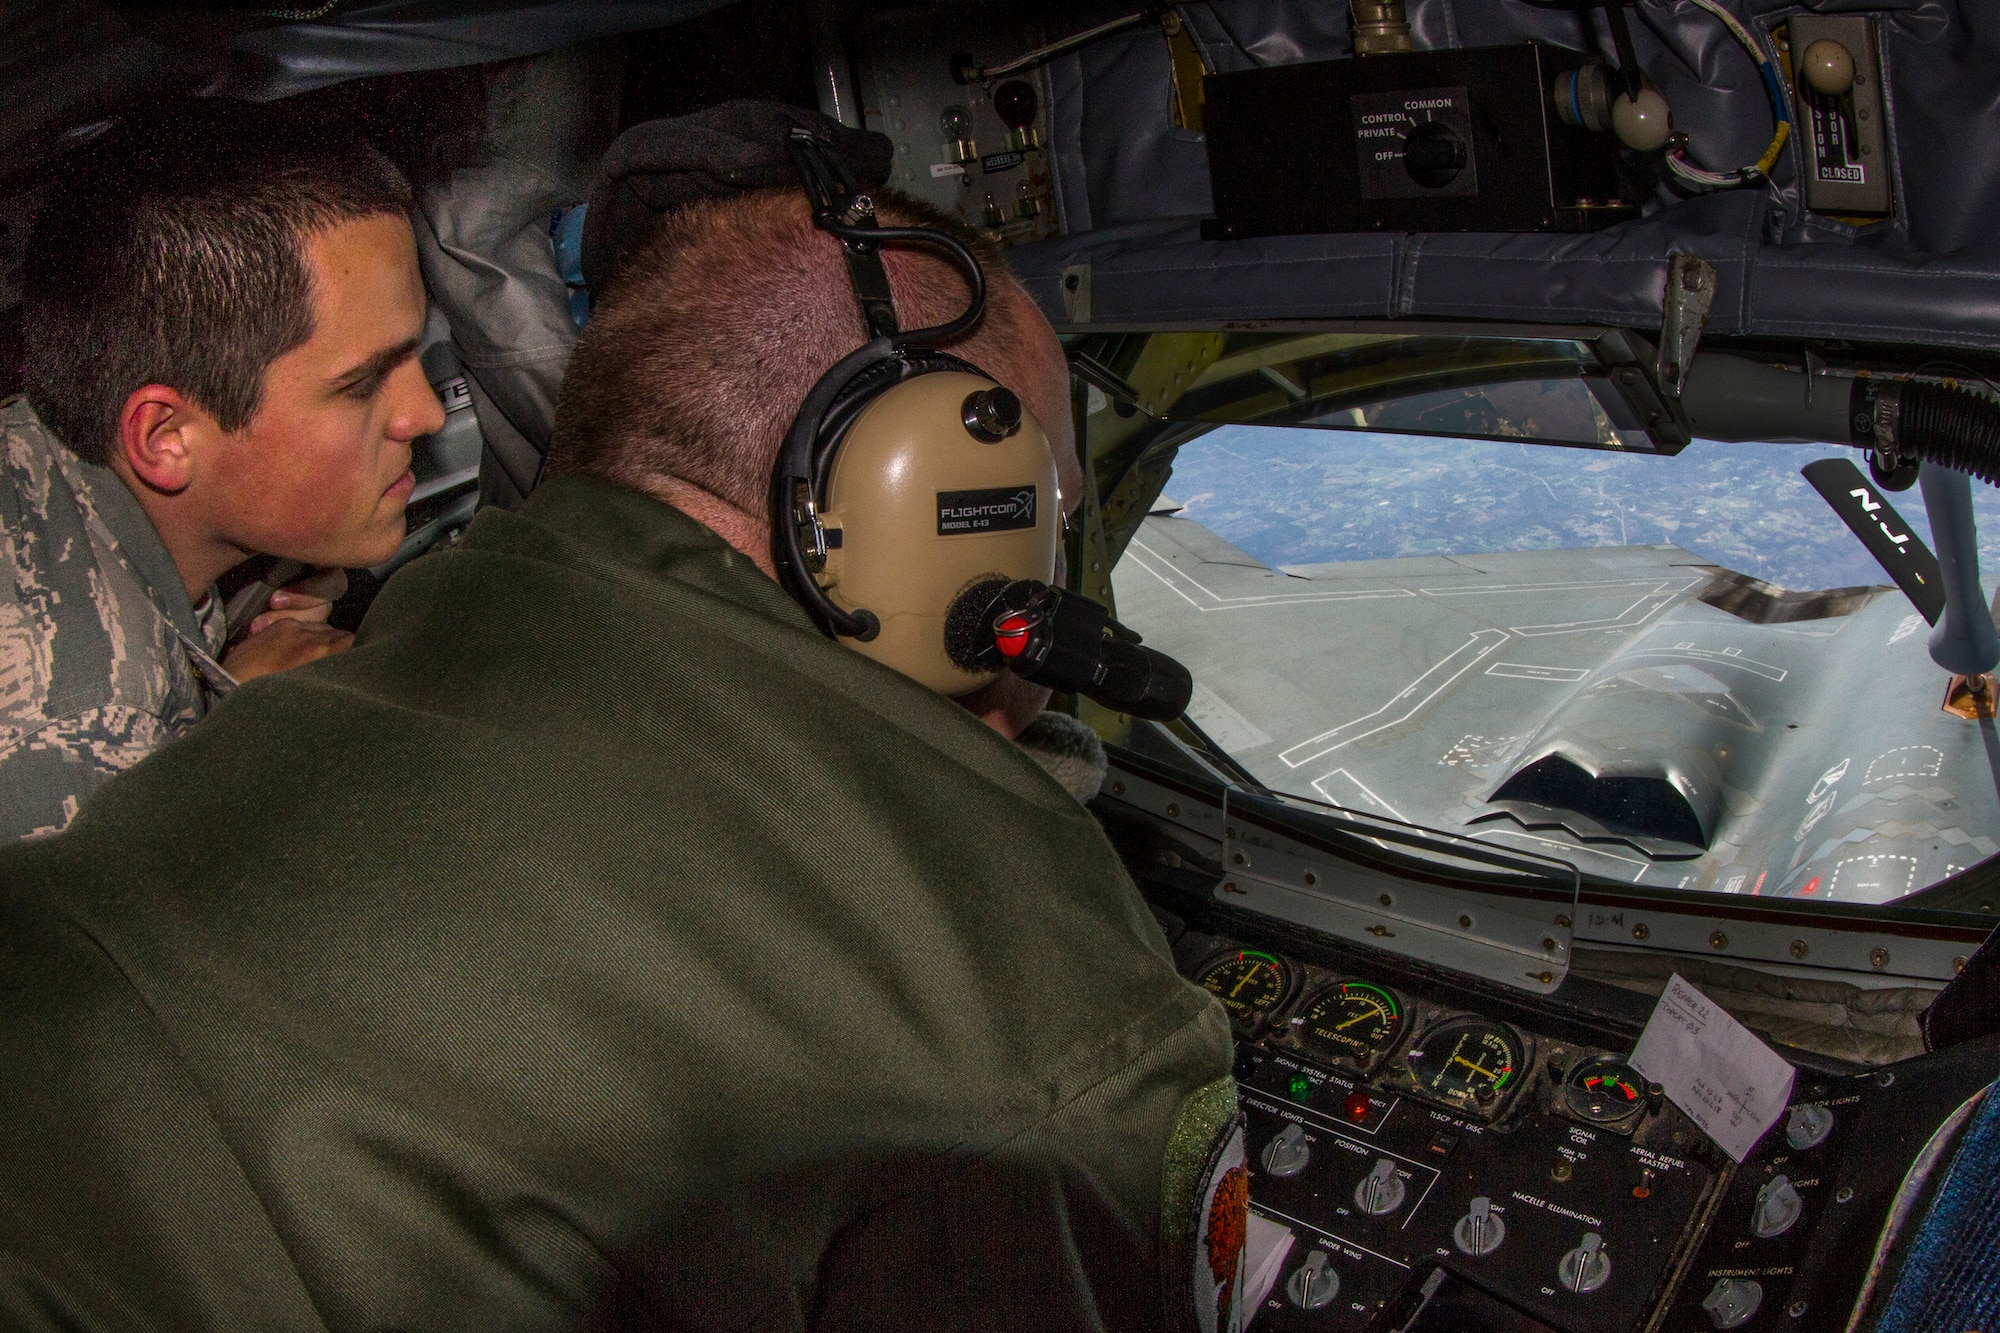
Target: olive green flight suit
{"points": [[596, 945]]}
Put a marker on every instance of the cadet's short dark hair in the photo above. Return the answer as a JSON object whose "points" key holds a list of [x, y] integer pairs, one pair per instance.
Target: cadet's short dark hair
{"points": [[175, 254]]}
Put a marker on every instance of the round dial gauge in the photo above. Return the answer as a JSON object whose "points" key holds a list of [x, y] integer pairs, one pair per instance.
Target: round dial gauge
{"points": [[1249, 984], [1603, 1091], [1467, 1062], [1351, 1021]]}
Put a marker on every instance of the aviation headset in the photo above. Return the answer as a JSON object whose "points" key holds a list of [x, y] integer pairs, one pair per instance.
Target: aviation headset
{"points": [[915, 509]]}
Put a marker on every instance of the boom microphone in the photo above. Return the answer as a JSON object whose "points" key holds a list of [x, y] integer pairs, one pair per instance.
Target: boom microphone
{"points": [[1069, 643]]}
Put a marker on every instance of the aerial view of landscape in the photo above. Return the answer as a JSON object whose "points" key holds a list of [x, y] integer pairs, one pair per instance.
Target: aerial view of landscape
{"points": [[1300, 497]]}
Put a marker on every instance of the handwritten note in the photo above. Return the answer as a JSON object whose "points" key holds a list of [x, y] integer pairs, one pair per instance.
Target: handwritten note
{"points": [[1713, 1068]]}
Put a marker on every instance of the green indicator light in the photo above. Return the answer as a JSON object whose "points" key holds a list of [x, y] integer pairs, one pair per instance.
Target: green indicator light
{"points": [[1302, 1088]]}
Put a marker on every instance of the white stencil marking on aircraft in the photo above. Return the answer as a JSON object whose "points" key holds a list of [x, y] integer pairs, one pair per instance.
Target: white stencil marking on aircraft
{"points": [[1873, 879], [1905, 761], [1729, 657], [1638, 613], [1492, 589], [1910, 625], [1329, 788], [1482, 751], [1566, 848], [1409, 700], [1827, 781], [1525, 671], [1146, 558]]}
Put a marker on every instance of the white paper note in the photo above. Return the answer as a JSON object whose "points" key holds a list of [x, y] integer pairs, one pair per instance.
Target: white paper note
{"points": [[1713, 1068], [1265, 1246]]}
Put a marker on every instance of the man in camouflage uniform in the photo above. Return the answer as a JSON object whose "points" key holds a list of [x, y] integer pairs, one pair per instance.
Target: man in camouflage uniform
{"points": [[221, 365], [102, 658]]}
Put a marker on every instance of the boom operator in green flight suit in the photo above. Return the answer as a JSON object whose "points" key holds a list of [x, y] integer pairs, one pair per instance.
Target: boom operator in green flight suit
{"points": [[598, 944]]}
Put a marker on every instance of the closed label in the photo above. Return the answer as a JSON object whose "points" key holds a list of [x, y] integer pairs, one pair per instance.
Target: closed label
{"points": [[998, 509]]}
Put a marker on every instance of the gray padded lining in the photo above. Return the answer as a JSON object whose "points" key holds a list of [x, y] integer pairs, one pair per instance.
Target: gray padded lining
{"points": [[1132, 187]]}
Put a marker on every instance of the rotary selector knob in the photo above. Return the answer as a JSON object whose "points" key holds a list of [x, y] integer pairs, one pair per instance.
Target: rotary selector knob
{"points": [[1732, 1302], [1585, 1268], [1314, 1284], [1382, 1191], [1480, 1231], [1287, 1153], [1778, 1206], [1807, 1126], [1433, 155]]}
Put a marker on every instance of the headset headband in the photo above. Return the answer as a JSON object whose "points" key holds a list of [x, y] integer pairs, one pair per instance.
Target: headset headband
{"points": [[841, 211]]}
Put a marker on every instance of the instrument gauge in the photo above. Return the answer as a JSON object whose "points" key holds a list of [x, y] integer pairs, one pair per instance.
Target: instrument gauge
{"points": [[1350, 1022], [1250, 984], [1604, 1091], [1468, 1063]]}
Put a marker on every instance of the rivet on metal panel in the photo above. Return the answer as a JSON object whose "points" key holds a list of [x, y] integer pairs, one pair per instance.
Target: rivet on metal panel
{"points": [[1718, 940], [1238, 858], [1229, 886], [1878, 956], [1465, 923], [1173, 810], [1311, 879], [1800, 949], [1382, 932], [1562, 922], [1387, 900], [1958, 963], [1641, 931], [1548, 944], [1117, 788]]}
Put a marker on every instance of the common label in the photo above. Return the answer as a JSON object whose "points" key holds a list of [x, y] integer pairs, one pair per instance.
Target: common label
{"points": [[999, 509], [994, 163]]}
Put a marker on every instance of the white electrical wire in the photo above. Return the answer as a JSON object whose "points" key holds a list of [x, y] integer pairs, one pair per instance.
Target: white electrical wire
{"points": [[1686, 168]]}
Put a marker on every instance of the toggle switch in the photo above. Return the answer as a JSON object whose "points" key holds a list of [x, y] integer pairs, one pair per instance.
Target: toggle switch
{"points": [[1480, 1231], [1778, 1206], [1807, 1126], [1287, 1154], [1314, 1284], [1585, 1268], [1732, 1301], [1382, 1191]]}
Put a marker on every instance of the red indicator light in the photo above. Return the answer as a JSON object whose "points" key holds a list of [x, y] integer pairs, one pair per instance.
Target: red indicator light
{"points": [[1010, 636], [1357, 1107]]}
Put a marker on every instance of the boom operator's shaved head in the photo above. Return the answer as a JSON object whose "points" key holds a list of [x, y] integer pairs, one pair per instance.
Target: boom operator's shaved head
{"points": [[700, 351]]}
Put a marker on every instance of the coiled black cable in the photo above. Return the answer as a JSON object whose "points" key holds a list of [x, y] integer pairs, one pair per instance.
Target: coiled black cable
{"points": [[1950, 427]]}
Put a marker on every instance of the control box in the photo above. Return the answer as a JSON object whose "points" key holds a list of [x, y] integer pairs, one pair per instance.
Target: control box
{"points": [[1462, 140], [1843, 140]]}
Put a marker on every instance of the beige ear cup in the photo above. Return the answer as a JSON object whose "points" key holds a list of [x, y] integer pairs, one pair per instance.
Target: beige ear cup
{"points": [[923, 508]]}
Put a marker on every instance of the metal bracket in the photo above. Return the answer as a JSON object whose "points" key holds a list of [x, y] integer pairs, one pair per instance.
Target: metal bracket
{"points": [[1683, 315], [1630, 393]]}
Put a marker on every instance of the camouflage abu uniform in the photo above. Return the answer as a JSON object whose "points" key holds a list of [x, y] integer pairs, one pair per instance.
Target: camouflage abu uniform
{"points": [[98, 641]]}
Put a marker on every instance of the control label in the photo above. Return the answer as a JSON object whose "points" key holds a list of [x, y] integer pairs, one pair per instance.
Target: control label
{"points": [[1414, 143]]}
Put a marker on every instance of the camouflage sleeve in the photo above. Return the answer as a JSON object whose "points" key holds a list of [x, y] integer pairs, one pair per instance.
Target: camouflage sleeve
{"points": [[45, 774]]}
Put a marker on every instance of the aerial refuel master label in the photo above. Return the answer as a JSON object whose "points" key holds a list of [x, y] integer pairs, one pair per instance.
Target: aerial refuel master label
{"points": [[998, 509]]}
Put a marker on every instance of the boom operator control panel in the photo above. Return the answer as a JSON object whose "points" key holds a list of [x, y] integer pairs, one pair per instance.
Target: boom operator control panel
{"points": [[1440, 1167]]}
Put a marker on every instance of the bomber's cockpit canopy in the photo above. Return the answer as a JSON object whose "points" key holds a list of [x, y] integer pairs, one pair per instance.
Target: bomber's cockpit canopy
{"points": [[1558, 437]]}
